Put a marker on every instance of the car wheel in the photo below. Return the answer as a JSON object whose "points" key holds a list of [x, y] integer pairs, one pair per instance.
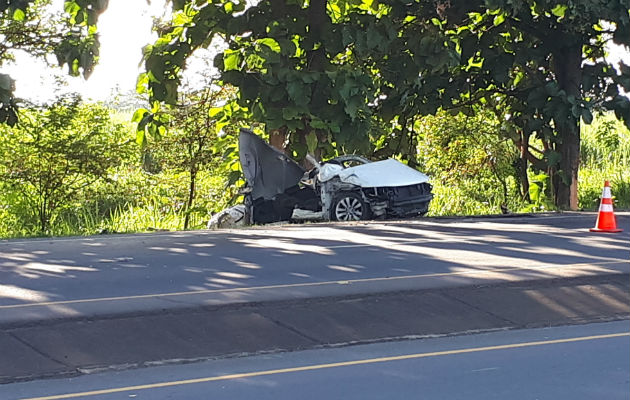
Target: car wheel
{"points": [[349, 207]]}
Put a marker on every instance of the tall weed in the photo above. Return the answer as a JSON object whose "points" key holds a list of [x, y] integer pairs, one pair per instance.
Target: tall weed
{"points": [[605, 156]]}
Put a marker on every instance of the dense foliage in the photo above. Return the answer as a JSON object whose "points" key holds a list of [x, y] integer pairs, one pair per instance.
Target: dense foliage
{"points": [[193, 144], [605, 153], [489, 97], [80, 165], [75, 168], [324, 75], [543, 65], [56, 153], [471, 173]]}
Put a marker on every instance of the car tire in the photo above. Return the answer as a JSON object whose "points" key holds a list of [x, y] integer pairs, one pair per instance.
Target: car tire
{"points": [[349, 206]]}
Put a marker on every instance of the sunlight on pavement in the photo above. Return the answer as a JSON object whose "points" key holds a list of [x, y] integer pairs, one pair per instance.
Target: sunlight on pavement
{"points": [[285, 246], [18, 293], [242, 264], [234, 275], [346, 268], [470, 247], [202, 245], [177, 250], [17, 257], [55, 268]]}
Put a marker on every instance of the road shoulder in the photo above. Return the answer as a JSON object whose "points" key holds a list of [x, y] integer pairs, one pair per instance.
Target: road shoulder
{"points": [[74, 347]]}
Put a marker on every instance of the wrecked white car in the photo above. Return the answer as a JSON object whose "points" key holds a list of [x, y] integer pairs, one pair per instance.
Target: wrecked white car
{"points": [[346, 188]]}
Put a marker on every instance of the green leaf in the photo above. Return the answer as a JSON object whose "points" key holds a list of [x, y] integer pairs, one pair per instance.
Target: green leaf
{"points": [[139, 114], [271, 43], [231, 60], [518, 78], [352, 107], [533, 125], [349, 89], [6, 83], [552, 157], [219, 126], [141, 138], [374, 38], [71, 7], [309, 77], [559, 10], [18, 15], [535, 190], [288, 47], [289, 113], [499, 19], [311, 141], [576, 111], [250, 88], [298, 92], [228, 151], [537, 98], [552, 88], [277, 93], [233, 177], [587, 116], [214, 111], [318, 124]]}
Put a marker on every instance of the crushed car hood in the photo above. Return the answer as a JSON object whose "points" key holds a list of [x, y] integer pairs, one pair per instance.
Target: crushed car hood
{"points": [[267, 171], [386, 173]]}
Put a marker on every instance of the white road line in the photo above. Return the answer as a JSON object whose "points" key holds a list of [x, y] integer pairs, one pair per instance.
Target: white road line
{"points": [[474, 272]]}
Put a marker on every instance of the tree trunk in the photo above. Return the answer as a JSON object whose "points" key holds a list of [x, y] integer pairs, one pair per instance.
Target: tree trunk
{"points": [[521, 166], [566, 178], [43, 217], [191, 196], [568, 69], [277, 138]]}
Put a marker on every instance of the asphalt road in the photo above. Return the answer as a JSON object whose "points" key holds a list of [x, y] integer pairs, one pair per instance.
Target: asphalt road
{"points": [[104, 275], [73, 306], [577, 362]]}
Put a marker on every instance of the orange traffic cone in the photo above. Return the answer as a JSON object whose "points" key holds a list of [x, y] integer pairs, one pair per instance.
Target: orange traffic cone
{"points": [[606, 218]]}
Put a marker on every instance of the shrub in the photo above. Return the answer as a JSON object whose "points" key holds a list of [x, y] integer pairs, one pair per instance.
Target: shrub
{"points": [[54, 154]]}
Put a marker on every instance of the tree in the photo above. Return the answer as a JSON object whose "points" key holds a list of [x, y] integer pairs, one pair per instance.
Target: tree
{"points": [[471, 174], [326, 72], [56, 152], [191, 142], [31, 26], [543, 65], [305, 93]]}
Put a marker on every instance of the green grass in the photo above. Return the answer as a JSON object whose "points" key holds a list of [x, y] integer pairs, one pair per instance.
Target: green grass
{"points": [[592, 182], [473, 197], [605, 156], [138, 202]]}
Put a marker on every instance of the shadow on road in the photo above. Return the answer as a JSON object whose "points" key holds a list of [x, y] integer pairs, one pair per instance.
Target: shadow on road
{"points": [[175, 267]]}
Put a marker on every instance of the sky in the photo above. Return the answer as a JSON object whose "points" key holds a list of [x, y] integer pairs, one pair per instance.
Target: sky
{"points": [[125, 28]]}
